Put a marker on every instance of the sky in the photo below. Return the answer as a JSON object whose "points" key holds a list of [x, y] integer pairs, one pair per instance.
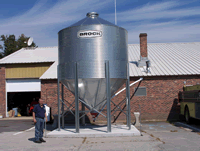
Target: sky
{"points": [[164, 21]]}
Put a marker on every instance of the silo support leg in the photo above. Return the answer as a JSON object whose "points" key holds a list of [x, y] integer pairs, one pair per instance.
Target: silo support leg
{"points": [[128, 98], [58, 88], [108, 96], [76, 100], [127, 110], [62, 93]]}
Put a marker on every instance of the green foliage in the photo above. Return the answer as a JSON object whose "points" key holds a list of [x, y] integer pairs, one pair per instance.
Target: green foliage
{"points": [[11, 44]]}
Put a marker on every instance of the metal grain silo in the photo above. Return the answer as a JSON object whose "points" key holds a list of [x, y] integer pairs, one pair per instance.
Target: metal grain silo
{"points": [[90, 42]]}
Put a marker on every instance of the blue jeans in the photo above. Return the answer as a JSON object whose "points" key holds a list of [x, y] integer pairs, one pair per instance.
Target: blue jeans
{"points": [[39, 126]]}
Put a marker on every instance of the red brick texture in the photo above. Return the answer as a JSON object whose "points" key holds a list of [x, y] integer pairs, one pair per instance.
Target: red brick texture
{"points": [[162, 94], [2, 92], [49, 94], [143, 45], [159, 104]]}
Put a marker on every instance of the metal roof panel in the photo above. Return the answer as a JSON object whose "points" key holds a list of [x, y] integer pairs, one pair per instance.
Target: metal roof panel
{"points": [[166, 59], [36, 55]]}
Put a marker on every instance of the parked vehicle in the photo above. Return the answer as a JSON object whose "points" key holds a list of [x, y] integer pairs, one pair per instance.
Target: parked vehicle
{"points": [[189, 100]]}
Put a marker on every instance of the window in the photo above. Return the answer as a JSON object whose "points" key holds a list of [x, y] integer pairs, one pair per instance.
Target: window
{"points": [[141, 91]]}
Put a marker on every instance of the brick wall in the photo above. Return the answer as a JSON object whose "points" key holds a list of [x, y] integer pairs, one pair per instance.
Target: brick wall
{"points": [[159, 104], [2, 92], [49, 94], [162, 94]]}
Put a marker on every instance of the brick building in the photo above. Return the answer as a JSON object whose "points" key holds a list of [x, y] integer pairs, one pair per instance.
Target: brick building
{"points": [[30, 73]]}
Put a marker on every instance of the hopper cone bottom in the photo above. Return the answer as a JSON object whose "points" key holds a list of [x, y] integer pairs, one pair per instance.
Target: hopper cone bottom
{"points": [[93, 91]]}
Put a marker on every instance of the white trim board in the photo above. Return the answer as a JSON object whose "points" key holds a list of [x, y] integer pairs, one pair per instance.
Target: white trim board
{"points": [[23, 85]]}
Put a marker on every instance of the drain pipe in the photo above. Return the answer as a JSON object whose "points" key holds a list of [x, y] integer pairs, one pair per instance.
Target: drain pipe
{"points": [[125, 87], [117, 94]]}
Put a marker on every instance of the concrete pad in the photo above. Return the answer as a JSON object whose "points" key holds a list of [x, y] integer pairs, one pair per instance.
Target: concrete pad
{"points": [[95, 131]]}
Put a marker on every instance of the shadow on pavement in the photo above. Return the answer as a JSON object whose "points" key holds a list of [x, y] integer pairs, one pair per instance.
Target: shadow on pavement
{"points": [[49, 127], [32, 139], [194, 124]]}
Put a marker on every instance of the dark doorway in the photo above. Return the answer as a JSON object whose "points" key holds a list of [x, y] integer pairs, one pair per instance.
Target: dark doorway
{"points": [[21, 100]]}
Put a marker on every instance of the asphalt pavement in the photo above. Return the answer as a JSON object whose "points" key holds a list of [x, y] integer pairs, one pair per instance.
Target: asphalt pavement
{"points": [[19, 135], [174, 136], [15, 125]]}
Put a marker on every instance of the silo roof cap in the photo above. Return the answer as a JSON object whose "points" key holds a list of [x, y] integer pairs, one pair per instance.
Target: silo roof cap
{"points": [[92, 14], [92, 19]]}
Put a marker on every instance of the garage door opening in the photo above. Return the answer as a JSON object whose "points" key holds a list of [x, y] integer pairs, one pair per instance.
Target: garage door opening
{"points": [[22, 101]]}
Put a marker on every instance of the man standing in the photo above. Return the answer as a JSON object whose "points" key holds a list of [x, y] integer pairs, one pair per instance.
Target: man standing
{"points": [[39, 114]]}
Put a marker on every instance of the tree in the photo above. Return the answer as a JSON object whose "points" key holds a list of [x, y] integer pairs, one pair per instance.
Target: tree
{"points": [[1, 55], [11, 44]]}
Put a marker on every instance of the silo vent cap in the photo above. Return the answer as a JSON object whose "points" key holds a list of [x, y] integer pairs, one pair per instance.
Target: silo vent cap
{"points": [[92, 14]]}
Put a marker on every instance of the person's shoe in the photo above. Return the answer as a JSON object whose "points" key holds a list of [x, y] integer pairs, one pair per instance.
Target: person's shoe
{"points": [[38, 141], [42, 140]]}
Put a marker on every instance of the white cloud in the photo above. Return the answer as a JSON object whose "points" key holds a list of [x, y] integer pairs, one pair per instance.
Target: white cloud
{"points": [[43, 23], [146, 19], [162, 10], [166, 32], [154, 7], [39, 21], [61, 12]]}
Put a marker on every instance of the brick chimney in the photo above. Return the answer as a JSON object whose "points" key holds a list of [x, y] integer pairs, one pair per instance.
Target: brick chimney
{"points": [[143, 50], [143, 45]]}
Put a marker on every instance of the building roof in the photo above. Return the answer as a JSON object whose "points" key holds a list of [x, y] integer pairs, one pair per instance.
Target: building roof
{"points": [[32, 55], [167, 59], [51, 73]]}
